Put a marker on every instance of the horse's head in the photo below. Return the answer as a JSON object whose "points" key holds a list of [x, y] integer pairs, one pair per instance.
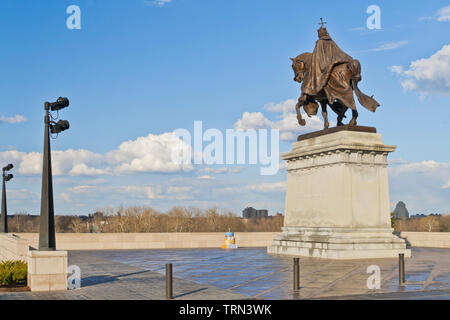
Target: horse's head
{"points": [[300, 65]]}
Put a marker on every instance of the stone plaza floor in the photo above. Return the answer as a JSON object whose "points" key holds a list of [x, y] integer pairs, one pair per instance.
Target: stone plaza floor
{"points": [[248, 273]]}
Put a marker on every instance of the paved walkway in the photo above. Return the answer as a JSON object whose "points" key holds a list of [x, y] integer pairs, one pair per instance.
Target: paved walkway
{"points": [[258, 275], [103, 279], [248, 274]]}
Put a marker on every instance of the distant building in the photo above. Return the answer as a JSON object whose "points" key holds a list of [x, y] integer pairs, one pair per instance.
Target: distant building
{"points": [[251, 212], [400, 211], [416, 216]]}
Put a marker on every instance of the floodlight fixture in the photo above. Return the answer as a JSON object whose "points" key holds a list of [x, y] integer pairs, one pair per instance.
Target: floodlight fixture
{"points": [[60, 126], [4, 213], [8, 167], [61, 103]]}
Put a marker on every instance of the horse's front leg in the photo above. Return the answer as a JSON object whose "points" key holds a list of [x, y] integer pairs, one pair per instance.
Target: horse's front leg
{"points": [[339, 119], [354, 117], [326, 124], [300, 103]]}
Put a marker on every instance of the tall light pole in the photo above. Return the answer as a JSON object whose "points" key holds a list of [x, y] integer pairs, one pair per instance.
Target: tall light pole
{"points": [[4, 214], [47, 219]]}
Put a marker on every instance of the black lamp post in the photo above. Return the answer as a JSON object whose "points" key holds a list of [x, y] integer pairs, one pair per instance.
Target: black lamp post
{"points": [[47, 219], [4, 214]]}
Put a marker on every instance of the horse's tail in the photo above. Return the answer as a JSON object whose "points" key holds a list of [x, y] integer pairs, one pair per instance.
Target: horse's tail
{"points": [[366, 101]]}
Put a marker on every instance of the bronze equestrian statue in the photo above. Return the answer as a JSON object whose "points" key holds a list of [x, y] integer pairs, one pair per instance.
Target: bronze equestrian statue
{"points": [[329, 77]]}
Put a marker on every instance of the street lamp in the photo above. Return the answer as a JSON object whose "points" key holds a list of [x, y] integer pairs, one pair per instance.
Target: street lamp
{"points": [[47, 219], [4, 214]]}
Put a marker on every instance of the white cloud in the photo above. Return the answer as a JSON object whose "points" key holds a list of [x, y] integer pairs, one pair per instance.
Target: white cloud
{"points": [[421, 167], [288, 124], [358, 29], [83, 189], [16, 119], [22, 194], [157, 3], [396, 69], [68, 162], [443, 14], [397, 161], [11, 156], [74, 162], [152, 153], [82, 169], [179, 192], [283, 106], [268, 187], [176, 189], [213, 170], [389, 46], [66, 197], [149, 191], [31, 164], [423, 186], [130, 192], [205, 177], [222, 170], [429, 75], [273, 187], [252, 120], [228, 189]]}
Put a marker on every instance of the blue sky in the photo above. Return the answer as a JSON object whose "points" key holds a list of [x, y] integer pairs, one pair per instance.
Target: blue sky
{"points": [[137, 70]]}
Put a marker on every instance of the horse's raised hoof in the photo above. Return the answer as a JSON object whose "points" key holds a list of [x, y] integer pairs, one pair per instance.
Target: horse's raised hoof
{"points": [[301, 121]]}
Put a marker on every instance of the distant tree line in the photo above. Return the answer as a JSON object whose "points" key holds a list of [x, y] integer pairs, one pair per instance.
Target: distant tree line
{"points": [[188, 219], [146, 219], [431, 223]]}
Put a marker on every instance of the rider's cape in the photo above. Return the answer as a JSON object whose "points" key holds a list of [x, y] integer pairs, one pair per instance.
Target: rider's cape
{"points": [[326, 57]]}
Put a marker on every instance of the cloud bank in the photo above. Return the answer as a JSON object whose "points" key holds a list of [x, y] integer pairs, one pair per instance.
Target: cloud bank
{"points": [[11, 120], [287, 120], [151, 153], [427, 76]]}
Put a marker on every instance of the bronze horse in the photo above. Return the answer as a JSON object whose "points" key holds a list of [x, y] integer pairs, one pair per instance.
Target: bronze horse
{"points": [[330, 77], [341, 78]]}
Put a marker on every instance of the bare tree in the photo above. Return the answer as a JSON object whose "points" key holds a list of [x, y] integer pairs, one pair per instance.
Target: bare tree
{"points": [[146, 219], [431, 223], [78, 226]]}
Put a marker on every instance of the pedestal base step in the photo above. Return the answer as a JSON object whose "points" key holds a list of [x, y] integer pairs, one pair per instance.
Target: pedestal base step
{"points": [[339, 243]]}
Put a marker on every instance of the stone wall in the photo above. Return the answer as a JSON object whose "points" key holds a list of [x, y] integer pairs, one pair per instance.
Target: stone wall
{"points": [[13, 247], [115, 241], [427, 239]]}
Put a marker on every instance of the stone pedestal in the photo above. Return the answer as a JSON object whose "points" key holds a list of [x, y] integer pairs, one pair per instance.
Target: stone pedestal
{"points": [[337, 197], [47, 270]]}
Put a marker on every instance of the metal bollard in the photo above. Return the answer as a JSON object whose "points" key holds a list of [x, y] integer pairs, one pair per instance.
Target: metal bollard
{"points": [[296, 275], [401, 269], [169, 288]]}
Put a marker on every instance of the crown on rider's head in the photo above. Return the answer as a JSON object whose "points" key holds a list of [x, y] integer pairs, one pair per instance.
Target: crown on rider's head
{"points": [[323, 33]]}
